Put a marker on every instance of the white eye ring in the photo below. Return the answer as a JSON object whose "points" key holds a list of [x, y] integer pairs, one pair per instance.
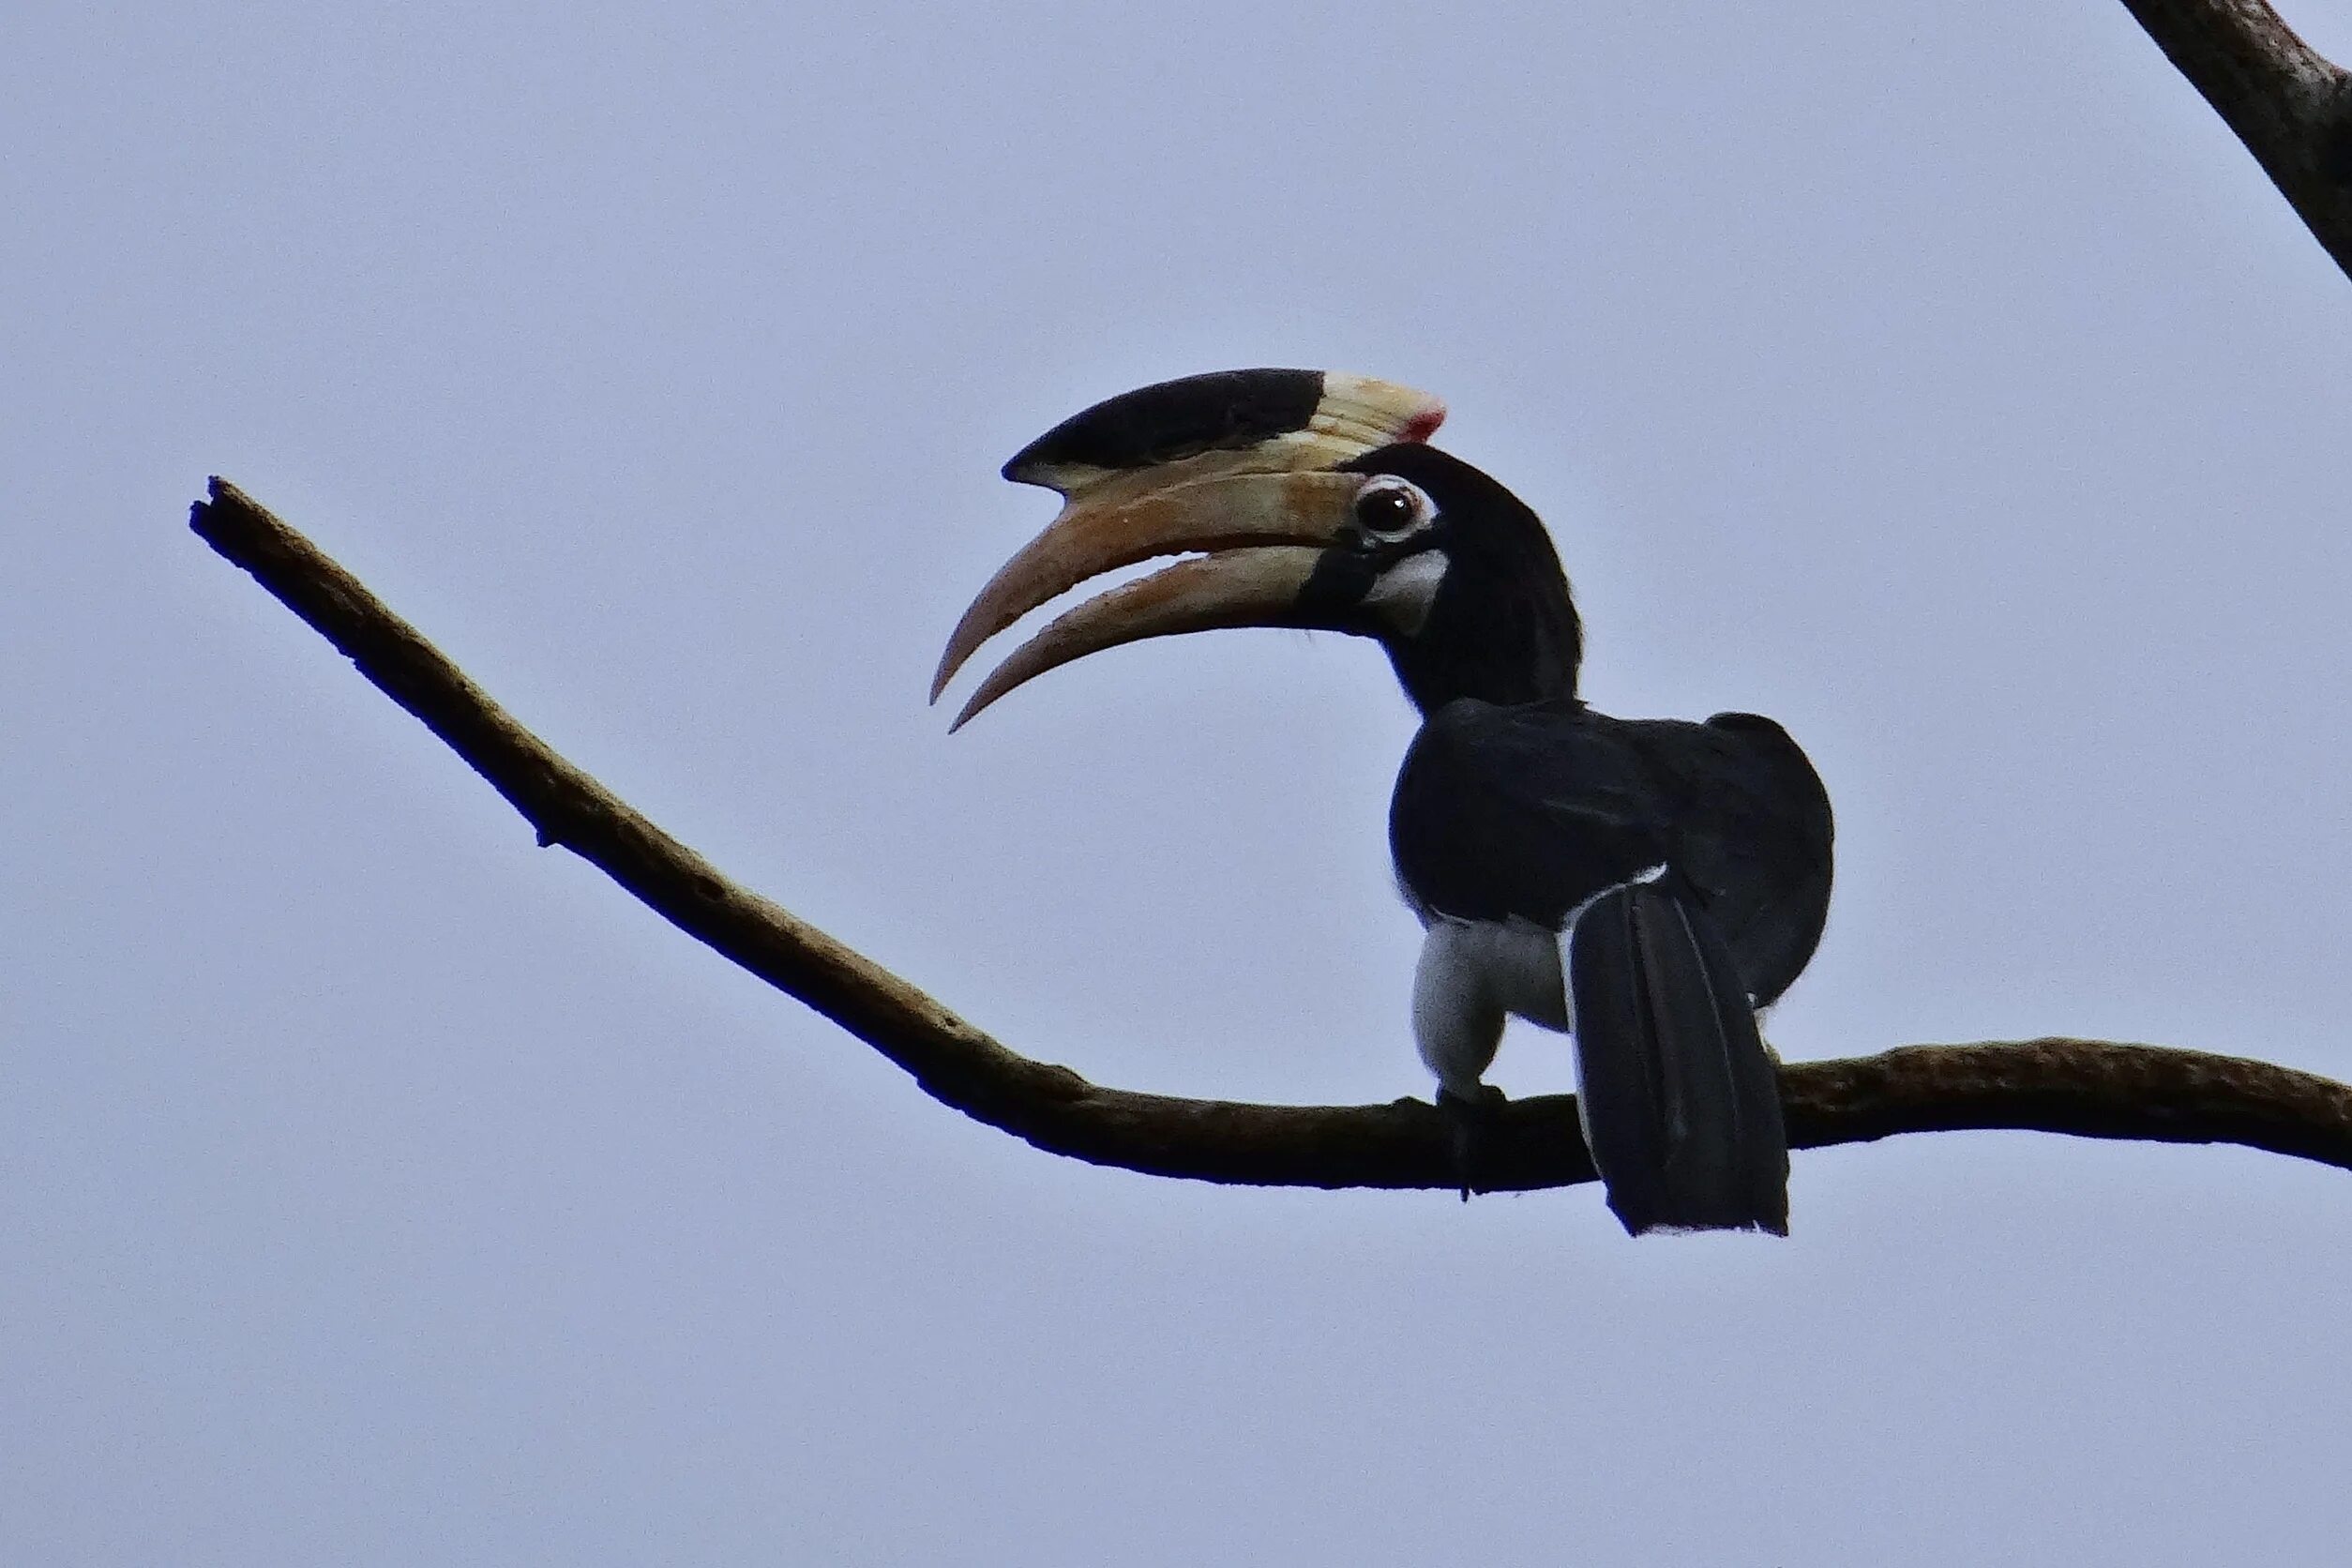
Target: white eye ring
{"points": [[1388, 507]]}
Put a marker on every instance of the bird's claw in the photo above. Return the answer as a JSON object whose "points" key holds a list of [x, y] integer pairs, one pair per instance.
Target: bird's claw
{"points": [[1470, 1120]]}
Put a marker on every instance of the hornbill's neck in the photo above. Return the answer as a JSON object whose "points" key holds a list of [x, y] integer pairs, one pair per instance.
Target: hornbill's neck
{"points": [[1510, 641], [1502, 627]]}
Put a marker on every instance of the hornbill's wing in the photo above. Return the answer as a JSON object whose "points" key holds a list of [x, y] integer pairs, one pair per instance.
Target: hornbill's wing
{"points": [[1522, 812], [1753, 833], [1529, 810]]}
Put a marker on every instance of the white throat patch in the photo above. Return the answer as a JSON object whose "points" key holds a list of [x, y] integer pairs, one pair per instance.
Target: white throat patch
{"points": [[1402, 595]]}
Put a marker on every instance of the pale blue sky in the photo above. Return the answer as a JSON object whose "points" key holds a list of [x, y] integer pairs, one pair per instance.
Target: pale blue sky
{"points": [[378, 1188]]}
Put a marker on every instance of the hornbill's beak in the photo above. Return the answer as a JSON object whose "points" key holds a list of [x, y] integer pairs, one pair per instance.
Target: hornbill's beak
{"points": [[1265, 533], [1238, 465]]}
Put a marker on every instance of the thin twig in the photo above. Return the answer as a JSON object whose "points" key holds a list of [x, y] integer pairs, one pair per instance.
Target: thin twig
{"points": [[2085, 1087]]}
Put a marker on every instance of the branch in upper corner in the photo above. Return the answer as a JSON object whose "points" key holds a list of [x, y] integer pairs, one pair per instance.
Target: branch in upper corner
{"points": [[2083, 1087], [2288, 103]]}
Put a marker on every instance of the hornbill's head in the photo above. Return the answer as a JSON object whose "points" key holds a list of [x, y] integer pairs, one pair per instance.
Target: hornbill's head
{"points": [[1306, 499]]}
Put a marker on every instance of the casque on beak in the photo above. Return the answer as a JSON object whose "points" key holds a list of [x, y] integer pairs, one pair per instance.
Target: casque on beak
{"points": [[1141, 480]]}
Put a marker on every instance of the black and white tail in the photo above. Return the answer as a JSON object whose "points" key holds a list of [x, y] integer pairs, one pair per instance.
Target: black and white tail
{"points": [[1679, 1100]]}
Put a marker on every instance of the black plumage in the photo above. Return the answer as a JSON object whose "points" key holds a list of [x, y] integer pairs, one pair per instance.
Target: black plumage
{"points": [[1684, 867], [1527, 810], [1688, 866]]}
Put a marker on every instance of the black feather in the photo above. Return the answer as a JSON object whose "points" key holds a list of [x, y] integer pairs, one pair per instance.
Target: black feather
{"points": [[1680, 1100], [1527, 811], [1173, 420]]}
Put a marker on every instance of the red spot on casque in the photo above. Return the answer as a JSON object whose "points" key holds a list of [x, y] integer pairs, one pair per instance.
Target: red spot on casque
{"points": [[1422, 426]]}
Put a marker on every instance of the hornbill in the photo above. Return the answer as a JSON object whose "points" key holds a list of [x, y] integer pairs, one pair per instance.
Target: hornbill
{"points": [[1646, 885]]}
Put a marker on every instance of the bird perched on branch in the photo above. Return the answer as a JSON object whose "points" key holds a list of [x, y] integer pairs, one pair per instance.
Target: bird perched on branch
{"points": [[1644, 884]]}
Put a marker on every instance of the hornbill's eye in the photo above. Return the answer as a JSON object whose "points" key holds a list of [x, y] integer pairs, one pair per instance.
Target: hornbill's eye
{"points": [[1388, 508]]}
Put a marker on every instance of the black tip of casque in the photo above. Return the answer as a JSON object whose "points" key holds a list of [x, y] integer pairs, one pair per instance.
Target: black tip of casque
{"points": [[1222, 410]]}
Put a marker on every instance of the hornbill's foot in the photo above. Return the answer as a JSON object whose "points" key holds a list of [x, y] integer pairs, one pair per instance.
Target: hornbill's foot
{"points": [[1470, 1122]]}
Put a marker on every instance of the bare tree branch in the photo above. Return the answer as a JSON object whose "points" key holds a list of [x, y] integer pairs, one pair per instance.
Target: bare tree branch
{"points": [[2289, 104], [2086, 1087]]}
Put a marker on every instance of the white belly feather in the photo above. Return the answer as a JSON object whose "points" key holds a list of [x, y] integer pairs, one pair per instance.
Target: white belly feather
{"points": [[1472, 974]]}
